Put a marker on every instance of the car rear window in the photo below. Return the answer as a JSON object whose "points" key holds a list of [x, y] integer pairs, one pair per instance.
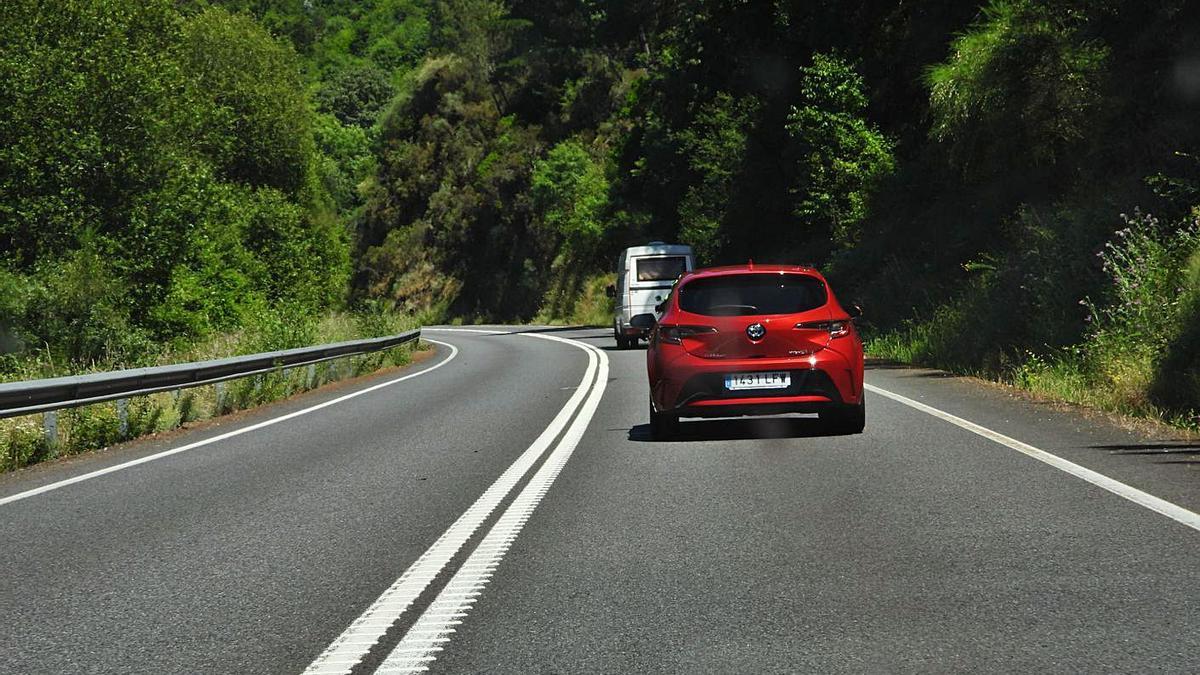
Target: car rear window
{"points": [[745, 294], [661, 269]]}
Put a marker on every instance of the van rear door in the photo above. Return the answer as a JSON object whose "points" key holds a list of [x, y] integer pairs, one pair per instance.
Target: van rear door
{"points": [[657, 270], [650, 279]]}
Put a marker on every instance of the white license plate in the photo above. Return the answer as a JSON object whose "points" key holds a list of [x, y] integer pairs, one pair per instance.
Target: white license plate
{"points": [[772, 380]]}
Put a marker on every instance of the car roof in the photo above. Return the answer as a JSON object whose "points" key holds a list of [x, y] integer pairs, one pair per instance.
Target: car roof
{"points": [[752, 268]]}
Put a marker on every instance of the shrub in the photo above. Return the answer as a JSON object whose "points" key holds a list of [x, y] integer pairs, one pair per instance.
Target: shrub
{"points": [[356, 96], [285, 326]]}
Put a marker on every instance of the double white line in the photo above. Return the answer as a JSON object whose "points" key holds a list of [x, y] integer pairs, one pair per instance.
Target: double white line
{"points": [[433, 628]]}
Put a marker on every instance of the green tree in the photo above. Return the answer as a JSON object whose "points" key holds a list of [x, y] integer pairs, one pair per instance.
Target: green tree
{"points": [[570, 191], [839, 157], [88, 97], [714, 146], [161, 162], [258, 128], [1019, 88]]}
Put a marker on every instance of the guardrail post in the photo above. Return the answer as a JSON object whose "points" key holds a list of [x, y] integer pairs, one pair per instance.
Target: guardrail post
{"points": [[220, 387], [123, 416], [310, 376], [50, 426]]}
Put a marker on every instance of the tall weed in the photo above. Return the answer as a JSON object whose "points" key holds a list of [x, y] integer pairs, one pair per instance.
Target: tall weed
{"points": [[1139, 354]]}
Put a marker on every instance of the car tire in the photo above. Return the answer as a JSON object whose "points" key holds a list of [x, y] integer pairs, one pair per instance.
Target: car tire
{"points": [[846, 419], [663, 426]]}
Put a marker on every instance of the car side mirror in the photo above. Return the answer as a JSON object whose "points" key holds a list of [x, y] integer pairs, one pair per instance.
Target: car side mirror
{"points": [[610, 291], [854, 311]]}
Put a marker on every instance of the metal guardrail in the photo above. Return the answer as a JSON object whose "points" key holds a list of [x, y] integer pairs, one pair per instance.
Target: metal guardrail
{"points": [[40, 396]]}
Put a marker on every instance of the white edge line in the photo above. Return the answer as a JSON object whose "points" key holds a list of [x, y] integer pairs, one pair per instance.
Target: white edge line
{"points": [[349, 648], [1162, 506], [420, 645], [229, 434]]}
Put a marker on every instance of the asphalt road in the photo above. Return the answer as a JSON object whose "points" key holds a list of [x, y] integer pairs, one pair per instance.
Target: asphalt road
{"points": [[506, 511]]}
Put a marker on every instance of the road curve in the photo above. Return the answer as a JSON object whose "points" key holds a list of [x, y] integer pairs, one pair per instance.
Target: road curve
{"points": [[743, 546]]}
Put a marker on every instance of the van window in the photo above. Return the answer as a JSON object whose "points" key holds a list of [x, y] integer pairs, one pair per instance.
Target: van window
{"points": [[746, 294], [661, 269]]}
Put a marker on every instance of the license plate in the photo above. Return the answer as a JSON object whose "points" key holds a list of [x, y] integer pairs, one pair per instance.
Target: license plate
{"points": [[771, 380]]}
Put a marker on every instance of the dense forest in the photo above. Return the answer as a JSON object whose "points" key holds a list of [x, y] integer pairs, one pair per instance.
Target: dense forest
{"points": [[1006, 188]]}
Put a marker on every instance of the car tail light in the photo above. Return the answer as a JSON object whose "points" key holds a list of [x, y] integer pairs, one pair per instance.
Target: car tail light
{"points": [[674, 335], [836, 329]]}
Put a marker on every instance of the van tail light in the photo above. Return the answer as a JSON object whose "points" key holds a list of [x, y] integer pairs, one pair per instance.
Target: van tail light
{"points": [[836, 329], [674, 335]]}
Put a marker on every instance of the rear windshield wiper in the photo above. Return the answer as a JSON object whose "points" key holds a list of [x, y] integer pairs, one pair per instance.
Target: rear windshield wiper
{"points": [[740, 309]]}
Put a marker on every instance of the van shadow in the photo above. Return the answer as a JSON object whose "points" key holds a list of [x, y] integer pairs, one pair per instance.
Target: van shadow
{"points": [[750, 428], [641, 347]]}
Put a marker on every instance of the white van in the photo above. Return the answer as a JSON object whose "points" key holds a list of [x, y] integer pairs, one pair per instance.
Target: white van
{"points": [[645, 275]]}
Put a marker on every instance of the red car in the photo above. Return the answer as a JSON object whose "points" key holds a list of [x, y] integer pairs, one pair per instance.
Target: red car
{"points": [[755, 340]]}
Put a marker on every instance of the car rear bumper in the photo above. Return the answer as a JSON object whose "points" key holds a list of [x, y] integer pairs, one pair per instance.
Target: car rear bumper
{"points": [[744, 407], [690, 386]]}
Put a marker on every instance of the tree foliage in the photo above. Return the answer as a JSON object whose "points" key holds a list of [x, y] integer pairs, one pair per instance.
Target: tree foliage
{"points": [[257, 126], [1019, 89], [840, 157], [159, 178], [570, 192]]}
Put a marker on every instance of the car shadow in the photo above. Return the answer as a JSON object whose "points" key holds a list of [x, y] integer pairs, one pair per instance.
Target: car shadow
{"points": [[641, 347], [749, 428]]}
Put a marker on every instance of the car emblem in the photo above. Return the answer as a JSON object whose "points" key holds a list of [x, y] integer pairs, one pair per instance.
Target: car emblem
{"points": [[755, 331]]}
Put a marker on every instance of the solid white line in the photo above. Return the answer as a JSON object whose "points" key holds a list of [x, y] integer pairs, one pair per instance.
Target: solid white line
{"points": [[428, 635], [355, 642], [229, 434], [1172, 511]]}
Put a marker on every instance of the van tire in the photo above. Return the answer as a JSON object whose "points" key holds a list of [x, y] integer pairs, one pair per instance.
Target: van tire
{"points": [[622, 341]]}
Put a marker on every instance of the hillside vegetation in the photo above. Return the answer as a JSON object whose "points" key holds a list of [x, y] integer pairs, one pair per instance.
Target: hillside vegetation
{"points": [[1008, 188]]}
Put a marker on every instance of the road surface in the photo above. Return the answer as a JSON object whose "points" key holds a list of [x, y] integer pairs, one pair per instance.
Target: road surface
{"points": [[502, 508]]}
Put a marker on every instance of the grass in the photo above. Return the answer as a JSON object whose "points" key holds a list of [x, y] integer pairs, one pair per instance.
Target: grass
{"points": [[1139, 354], [23, 441], [1124, 391], [578, 301], [1117, 381]]}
